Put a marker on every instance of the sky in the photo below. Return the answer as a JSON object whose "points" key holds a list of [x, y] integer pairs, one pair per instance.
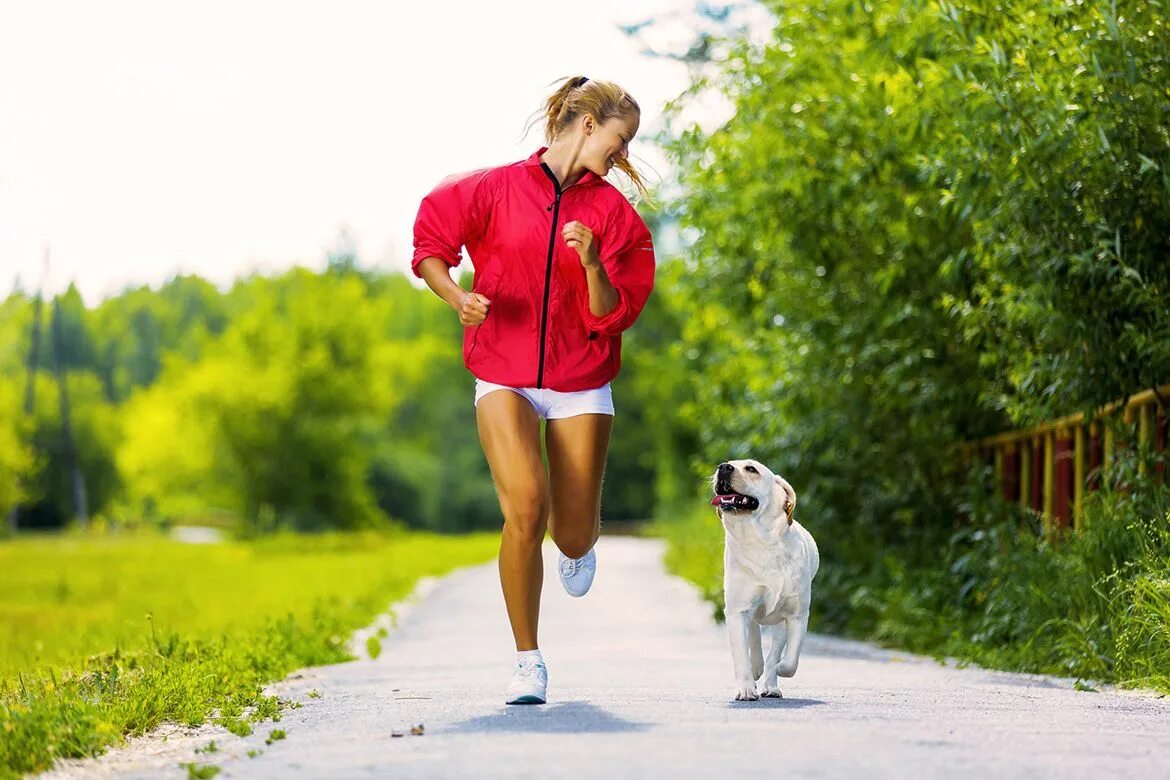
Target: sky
{"points": [[143, 140]]}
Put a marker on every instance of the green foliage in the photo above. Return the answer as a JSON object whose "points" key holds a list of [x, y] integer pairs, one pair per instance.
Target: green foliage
{"points": [[20, 465], [101, 638], [1091, 605], [78, 349], [94, 424], [1057, 160], [653, 441], [813, 283], [138, 328], [897, 244], [287, 440], [200, 771], [17, 458]]}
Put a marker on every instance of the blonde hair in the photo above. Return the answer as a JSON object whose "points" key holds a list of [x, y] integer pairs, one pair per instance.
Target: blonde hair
{"points": [[603, 100]]}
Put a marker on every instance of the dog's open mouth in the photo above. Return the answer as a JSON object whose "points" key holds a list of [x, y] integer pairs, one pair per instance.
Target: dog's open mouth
{"points": [[728, 499]]}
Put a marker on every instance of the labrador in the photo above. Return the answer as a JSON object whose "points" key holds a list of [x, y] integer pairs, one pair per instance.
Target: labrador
{"points": [[769, 561]]}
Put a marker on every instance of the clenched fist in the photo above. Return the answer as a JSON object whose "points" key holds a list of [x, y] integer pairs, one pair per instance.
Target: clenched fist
{"points": [[580, 238], [473, 310]]}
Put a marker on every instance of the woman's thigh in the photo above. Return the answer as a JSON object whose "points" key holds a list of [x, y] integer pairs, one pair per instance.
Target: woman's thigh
{"points": [[577, 448], [509, 431]]}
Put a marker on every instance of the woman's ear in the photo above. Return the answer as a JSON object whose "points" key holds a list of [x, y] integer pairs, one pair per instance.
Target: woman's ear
{"points": [[783, 493]]}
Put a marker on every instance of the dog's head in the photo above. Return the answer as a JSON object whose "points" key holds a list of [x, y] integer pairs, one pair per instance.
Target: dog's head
{"points": [[750, 487]]}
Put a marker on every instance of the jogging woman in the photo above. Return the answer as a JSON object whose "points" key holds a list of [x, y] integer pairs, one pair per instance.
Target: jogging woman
{"points": [[563, 264]]}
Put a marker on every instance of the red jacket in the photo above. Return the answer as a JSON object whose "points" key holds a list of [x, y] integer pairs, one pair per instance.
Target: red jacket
{"points": [[539, 331]]}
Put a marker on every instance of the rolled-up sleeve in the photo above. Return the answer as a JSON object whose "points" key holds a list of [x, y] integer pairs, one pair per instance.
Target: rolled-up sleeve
{"points": [[628, 259], [449, 217]]}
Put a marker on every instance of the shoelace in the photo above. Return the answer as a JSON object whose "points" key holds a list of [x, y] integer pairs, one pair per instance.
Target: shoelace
{"points": [[569, 567], [528, 669]]}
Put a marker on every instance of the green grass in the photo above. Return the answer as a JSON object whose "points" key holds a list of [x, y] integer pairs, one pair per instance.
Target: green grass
{"points": [[106, 637], [1093, 605]]}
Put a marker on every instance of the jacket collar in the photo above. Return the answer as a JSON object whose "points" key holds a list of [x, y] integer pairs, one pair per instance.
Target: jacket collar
{"points": [[535, 162]]}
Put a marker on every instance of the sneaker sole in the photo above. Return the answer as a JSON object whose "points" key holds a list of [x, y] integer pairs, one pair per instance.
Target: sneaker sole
{"points": [[529, 699]]}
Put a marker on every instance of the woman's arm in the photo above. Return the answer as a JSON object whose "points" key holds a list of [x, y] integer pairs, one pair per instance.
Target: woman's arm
{"points": [[602, 295], [619, 283], [472, 307]]}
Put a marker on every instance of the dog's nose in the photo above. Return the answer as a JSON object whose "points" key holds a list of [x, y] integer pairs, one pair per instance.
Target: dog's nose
{"points": [[725, 469]]}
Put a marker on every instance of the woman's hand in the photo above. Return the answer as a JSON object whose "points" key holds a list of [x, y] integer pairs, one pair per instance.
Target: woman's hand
{"points": [[473, 309], [581, 238]]}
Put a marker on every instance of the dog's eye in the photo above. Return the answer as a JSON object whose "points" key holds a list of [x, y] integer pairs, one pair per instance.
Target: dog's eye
{"points": [[752, 469]]}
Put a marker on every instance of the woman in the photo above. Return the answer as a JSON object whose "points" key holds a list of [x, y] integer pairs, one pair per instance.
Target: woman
{"points": [[563, 265]]}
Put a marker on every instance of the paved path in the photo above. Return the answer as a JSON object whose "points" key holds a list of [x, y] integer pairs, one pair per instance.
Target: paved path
{"points": [[640, 687]]}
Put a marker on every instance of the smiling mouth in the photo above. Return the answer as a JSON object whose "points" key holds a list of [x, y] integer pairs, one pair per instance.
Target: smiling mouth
{"points": [[727, 499]]}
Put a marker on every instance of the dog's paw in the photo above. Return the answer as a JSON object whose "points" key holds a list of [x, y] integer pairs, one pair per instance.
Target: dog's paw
{"points": [[746, 693], [771, 692]]}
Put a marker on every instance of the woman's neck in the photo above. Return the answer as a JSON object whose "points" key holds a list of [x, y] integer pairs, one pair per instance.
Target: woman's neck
{"points": [[561, 158]]}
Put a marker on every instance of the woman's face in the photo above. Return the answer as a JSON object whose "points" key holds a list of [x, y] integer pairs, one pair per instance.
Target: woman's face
{"points": [[608, 142]]}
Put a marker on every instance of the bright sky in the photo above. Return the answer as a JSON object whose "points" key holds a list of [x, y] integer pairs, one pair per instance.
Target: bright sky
{"points": [[141, 140]]}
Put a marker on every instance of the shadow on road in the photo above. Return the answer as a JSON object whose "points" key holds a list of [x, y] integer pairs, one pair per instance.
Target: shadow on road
{"points": [[774, 704], [567, 717]]}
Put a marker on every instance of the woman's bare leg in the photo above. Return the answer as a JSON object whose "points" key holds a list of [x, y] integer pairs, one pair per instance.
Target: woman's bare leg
{"points": [[577, 447], [509, 430]]}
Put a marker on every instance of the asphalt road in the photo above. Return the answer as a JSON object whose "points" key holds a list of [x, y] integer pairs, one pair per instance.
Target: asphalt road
{"points": [[641, 686]]}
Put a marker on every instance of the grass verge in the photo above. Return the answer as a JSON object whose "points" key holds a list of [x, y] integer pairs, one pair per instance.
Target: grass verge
{"points": [[102, 638]]}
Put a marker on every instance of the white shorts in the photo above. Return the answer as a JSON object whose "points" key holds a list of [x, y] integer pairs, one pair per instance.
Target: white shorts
{"points": [[553, 404]]}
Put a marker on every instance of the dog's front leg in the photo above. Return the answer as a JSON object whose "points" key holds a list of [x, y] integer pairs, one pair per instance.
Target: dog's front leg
{"points": [[779, 635], [796, 628], [755, 651], [738, 625]]}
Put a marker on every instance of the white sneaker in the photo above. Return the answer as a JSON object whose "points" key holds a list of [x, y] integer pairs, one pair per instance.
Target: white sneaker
{"points": [[577, 573], [529, 682]]}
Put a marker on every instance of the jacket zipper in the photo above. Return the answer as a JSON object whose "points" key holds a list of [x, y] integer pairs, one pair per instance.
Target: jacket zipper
{"points": [[552, 243]]}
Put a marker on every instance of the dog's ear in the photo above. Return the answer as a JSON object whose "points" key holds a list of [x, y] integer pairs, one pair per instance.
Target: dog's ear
{"points": [[783, 492]]}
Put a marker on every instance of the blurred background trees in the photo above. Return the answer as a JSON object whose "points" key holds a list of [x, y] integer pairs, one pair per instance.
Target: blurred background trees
{"points": [[304, 401]]}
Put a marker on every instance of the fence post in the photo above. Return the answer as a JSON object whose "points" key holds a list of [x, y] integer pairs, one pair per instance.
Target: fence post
{"points": [[1160, 443], [1010, 488], [1025, 473], [1049, 478], [1143, 436], [1107, 455], [997, 468], [1078, 476]]}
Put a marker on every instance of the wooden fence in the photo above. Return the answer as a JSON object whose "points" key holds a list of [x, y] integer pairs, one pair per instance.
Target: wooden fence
{"points": [[1049, 467]]}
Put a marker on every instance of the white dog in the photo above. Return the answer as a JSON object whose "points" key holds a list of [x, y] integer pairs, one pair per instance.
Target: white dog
{"points": [[769, 562]]}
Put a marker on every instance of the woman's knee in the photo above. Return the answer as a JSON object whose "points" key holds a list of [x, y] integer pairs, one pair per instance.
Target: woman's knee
{"points": [[525, 514], [577, 539], [576, 547]]}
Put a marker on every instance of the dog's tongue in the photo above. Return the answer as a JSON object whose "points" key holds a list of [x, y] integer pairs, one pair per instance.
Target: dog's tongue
{"points": [[722, 498]]}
